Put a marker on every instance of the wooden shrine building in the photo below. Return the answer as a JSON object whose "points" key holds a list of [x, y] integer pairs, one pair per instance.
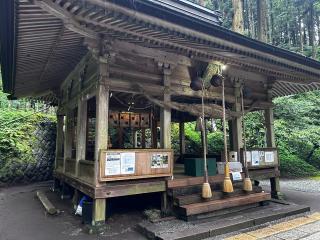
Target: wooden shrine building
{"points": [[114, 67]]}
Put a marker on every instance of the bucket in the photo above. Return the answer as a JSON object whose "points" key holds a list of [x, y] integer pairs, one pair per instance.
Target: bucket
{"points": [[87, 212]]}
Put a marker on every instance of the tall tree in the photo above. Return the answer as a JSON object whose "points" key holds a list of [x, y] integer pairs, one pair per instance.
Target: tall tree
{"points": [[262, 20], [237, 20]]}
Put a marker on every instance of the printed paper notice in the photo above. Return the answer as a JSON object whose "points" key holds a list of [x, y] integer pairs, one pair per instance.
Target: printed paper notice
{"points": [[112, 166], [269, 157], [128, 162], [236, 176], [159, 160], [255, 158]]}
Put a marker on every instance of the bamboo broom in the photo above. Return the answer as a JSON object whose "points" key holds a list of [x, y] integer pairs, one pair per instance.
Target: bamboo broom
{"points": [[247, 184], [227, 184], [206, 189]]}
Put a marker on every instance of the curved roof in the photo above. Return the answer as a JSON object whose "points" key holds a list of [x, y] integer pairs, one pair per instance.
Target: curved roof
{"points": [[42, 41]]}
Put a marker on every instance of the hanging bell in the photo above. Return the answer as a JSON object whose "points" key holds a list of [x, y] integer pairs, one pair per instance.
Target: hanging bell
{"points": [[216, 80], [198, 124], [196, 84]]}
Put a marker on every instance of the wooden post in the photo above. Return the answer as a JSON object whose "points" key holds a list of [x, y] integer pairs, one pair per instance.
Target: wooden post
{"points": [[102, 107], [99, 212], [59, 138], [165, 113], [143, 138], [101, 130], [237, 142], [182, 139], [165, 125], [81, 132], [67, 138], [271, 142]]}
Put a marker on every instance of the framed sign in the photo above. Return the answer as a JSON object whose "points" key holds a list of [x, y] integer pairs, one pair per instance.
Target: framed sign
{"points": [[127, 164]]}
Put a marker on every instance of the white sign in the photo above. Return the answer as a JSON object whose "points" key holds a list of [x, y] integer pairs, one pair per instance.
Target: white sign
{"points": [[248, 156], [128, 162], [255, 158], [236, 176], [269, 157], [112, 166]]}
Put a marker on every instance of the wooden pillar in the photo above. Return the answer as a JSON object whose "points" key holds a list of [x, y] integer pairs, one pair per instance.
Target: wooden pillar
{"points": [[271, 141], [81, 132], [101, 138], [237, 142], [67, 137], [165, 124], [99, 212], [165, 113], [143, 138], [182, 139], [59, 138]]}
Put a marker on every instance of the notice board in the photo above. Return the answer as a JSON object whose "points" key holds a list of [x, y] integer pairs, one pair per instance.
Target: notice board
{"points": [[127, 164]]}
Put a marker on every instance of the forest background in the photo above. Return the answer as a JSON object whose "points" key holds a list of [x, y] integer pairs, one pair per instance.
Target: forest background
{"points": [[290, 24]]}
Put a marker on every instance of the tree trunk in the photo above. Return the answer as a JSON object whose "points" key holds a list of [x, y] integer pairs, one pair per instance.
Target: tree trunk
{"points": [[318, 24], [237, 21], [262, 20], [311, 30]]}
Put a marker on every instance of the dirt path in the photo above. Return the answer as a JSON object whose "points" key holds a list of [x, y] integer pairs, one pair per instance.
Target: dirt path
{"points": [[23, 218]]}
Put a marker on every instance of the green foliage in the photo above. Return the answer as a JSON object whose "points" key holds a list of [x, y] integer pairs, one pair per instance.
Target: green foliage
{"points": [[293, 166], [16, 140]]}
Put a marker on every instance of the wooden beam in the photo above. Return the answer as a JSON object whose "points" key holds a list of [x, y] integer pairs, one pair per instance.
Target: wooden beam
{"points": [[155, 54], [123, 189], [67, 18]]}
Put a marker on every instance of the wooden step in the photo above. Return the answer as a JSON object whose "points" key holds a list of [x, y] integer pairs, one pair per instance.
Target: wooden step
{"points": [[196, 198], [214, 205]]}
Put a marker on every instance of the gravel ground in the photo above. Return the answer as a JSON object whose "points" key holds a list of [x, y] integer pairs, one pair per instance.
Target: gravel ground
{"points": [[303, 185]]}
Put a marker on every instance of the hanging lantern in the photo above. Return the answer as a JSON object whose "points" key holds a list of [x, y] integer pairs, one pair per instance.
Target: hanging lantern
{"points": [[216, 80], [196, 84]]}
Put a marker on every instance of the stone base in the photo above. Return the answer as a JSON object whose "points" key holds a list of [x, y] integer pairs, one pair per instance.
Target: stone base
{"points": [[179, 229]]}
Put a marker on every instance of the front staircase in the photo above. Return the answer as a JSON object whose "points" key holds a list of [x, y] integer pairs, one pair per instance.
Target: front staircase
{"points": [[187, 203]]}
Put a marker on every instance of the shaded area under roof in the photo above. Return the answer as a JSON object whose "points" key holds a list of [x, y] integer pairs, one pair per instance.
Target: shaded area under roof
{"points": [[38, 51]]}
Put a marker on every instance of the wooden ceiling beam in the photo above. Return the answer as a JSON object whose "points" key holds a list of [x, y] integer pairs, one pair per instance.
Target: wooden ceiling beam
{"points": [[68, 18]]}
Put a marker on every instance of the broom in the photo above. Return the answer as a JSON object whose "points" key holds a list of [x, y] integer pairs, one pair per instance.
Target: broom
{"points": [[227, 184], [247, 184], [206, 189]]}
